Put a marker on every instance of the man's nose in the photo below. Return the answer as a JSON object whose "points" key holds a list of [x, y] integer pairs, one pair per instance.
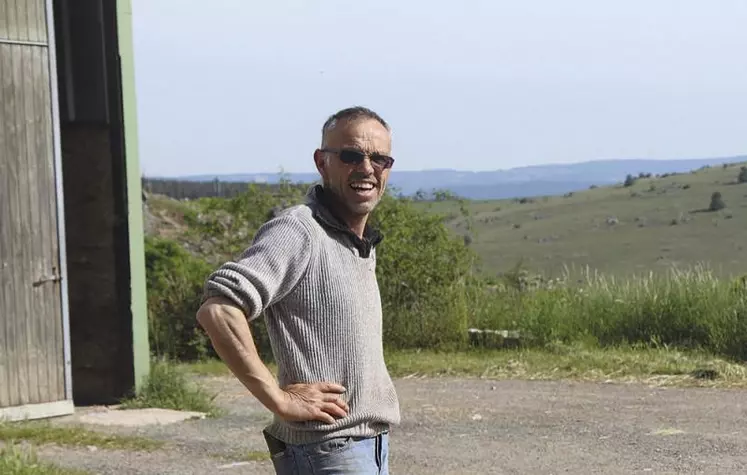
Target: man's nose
{"points": [[366, 166]]}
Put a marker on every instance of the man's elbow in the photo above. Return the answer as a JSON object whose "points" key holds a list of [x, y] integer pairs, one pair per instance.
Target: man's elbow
{"points": [[204, 314], [215, 310]]}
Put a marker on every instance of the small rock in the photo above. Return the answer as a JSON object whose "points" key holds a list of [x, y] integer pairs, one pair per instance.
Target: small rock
{"points": [[92, 448], [233, 465], [477, 417]]}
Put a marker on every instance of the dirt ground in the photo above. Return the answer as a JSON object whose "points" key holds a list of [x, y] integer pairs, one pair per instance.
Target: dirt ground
{"points": [[475, 426]]}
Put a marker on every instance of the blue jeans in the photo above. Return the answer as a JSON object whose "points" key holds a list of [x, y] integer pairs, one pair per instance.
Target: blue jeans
{"points": [[341, 456]]}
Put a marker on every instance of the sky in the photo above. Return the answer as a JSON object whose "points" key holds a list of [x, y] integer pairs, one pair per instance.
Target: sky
{"points": [[241, 87]]}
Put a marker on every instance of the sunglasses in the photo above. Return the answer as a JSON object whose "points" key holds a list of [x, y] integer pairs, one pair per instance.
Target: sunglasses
{"points": [[355, 157]]}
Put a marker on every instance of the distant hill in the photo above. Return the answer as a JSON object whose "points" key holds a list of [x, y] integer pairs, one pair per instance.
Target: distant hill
{"points": [[652, 225], [536, 180]]}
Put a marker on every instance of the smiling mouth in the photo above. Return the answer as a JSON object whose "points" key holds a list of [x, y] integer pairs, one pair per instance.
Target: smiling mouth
{"points": [[362, 186]]}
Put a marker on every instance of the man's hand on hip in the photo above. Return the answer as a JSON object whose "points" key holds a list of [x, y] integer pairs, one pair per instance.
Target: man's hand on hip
{"points": [[312, 402]]}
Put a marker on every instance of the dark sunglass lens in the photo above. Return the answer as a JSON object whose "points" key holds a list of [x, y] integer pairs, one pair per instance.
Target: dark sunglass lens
{"points": [[351, 156], [381, 161]]}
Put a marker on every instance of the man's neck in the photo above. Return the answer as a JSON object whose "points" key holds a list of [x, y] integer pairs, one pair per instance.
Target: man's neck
{"points": [[357, 224]]}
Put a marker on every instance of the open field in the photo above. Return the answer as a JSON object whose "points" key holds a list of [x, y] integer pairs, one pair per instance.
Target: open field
{"points": [[651, 226]]}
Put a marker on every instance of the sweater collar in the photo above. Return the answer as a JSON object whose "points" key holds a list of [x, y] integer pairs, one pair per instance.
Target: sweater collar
{"points": [[323, 211]]}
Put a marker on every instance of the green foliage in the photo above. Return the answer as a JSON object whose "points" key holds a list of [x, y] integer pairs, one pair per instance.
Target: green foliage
{"points": [[167, 387], [690, 309], [422, 267], [432, 292], [422, 271], [18, 461], [742, 177], [225, 226], [717, 202], [629, 181], [44, 432], [175, 281]]}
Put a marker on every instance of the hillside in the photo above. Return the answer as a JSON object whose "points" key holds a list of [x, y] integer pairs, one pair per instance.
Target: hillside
{"points": [[653, 225], [536, 180]]}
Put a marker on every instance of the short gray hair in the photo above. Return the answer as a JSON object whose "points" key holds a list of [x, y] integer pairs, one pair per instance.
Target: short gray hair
{"points": [[351, 114]]}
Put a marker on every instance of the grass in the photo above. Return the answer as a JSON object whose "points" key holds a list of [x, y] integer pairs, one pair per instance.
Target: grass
{"points": [[555, 362], [40, 433], [658, 226], [257, 456], [692, 309], [621, 364], [206, 367], [167, 387], [16, 461], [682, 328], [213, 367]]}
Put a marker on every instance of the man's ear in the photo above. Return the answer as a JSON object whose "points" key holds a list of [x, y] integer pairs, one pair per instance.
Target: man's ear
{"points": [[320, 162]]}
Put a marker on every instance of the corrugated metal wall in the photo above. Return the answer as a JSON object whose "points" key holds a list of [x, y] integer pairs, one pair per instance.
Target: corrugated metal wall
{"points": [[32, 366]]}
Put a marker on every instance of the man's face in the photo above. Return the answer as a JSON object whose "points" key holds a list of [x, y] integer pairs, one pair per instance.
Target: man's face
{"points": [[358, 187]]}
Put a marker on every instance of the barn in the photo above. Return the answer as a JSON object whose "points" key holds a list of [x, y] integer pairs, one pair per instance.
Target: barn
{"points": [[73, 316]]}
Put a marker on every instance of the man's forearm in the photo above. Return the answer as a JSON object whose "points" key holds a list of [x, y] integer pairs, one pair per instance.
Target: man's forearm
{"points": [[229, 332]]}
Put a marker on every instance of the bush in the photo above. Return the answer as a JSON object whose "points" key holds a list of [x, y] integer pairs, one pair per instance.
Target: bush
{"points": [[742, 177], [225, 226], [422, 270], [167, 387], [175, 281], [717, 202]]}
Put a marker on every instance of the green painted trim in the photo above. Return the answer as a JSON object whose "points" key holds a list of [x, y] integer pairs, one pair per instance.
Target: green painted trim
{"points": [[141, 349]]}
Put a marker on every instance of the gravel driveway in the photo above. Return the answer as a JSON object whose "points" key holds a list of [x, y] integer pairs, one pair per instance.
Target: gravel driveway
{"points": [[465, 426]]}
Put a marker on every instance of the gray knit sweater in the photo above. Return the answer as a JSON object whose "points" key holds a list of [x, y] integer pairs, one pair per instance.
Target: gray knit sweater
{"points": [[316, 283]]}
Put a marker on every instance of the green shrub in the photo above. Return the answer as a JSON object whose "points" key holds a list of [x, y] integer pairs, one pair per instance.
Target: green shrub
{"points": [[167, 387], [175, 281], [717, 202], [423, 270], [742, 177], [224, 227]]}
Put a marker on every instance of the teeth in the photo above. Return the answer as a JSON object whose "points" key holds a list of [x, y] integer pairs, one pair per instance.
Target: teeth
{"points": [[362, 186]]}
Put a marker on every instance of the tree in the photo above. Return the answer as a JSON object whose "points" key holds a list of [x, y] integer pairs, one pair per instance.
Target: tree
{"points": [[742, 178], [629, 181], [717, 202]]}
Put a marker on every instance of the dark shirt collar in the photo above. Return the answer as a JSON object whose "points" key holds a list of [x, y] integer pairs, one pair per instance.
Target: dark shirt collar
{"points": [[324, 211]]}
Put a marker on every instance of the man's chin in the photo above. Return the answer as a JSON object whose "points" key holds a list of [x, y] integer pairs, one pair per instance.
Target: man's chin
{"points": [[362, 208]]}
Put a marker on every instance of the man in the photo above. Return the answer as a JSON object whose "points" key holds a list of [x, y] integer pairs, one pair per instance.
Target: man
{"points": [[312, 271]]}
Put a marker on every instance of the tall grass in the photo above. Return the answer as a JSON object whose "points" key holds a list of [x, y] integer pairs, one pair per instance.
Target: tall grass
{"points": [[689, 309]]}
